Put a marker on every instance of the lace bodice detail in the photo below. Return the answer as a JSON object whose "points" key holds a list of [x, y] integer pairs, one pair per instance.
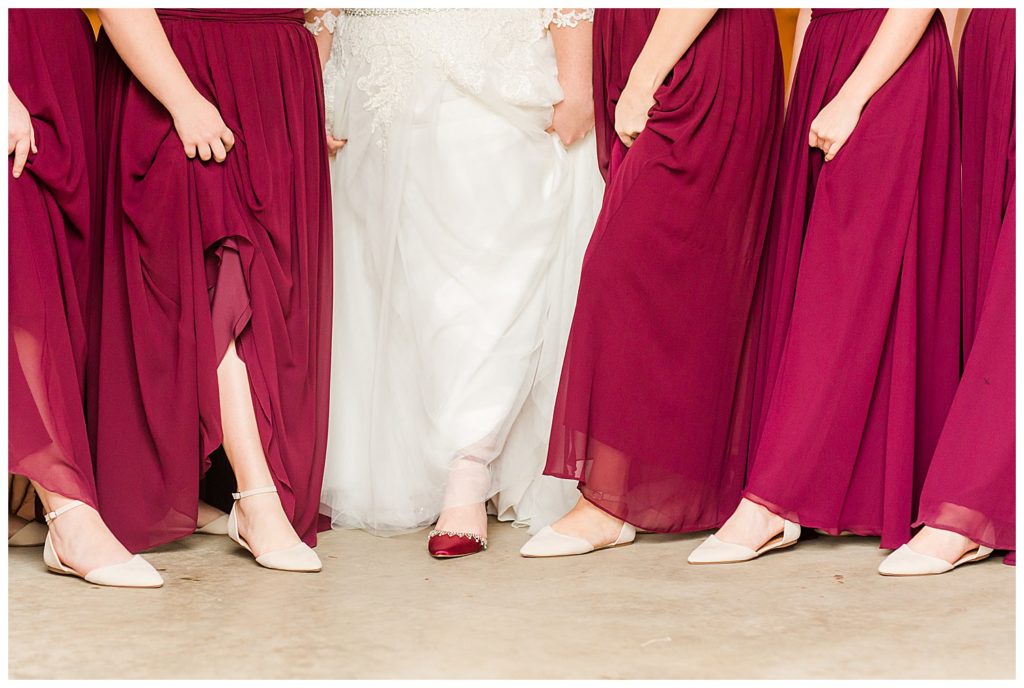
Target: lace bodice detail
{"points": [[326, 21], [567, 18], [501, 51]]}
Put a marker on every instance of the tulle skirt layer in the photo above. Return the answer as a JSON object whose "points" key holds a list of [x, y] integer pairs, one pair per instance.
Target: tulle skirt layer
{"points": [[460, 220]]}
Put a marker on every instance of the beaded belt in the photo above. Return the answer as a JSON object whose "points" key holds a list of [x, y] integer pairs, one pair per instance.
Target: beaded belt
{"points": [[391, 11]]}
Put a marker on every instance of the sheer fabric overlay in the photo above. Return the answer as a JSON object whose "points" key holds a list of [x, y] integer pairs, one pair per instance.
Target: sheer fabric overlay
{"points": [[461, 220], [51, 219], [867, 247], [197, 254], [970, 488], [651, 414]]}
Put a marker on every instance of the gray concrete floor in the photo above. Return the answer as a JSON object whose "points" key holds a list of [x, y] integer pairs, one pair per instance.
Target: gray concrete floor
{"points": [[383, 609]]}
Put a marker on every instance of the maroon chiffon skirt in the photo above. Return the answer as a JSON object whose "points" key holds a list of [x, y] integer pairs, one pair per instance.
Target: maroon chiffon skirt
{"points": [[50, 216], [196, 254], [866, 338], [971, 480], [650, 416]]}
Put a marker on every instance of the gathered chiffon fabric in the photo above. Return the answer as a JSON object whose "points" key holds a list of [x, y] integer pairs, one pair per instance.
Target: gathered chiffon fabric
{"points": [[50, 219], [861, 304], [970, 487], [652, 412], [195, 254]]}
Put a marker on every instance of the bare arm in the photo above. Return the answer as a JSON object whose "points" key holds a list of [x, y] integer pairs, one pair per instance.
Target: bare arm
{"points": [[322, 23], [673, 33], [803, 20], [898, 34], [141, 42], [897, 37], [574, 49]]}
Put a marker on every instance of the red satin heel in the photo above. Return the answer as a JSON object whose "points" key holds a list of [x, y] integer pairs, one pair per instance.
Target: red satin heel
{"points": [[444, 544]]}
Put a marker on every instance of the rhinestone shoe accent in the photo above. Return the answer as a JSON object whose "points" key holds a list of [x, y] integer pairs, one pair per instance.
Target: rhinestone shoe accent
{"points": [[451, 533]]}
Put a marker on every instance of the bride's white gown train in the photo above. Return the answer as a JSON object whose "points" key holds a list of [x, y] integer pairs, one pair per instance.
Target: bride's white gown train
{"points": [[460, 227]]}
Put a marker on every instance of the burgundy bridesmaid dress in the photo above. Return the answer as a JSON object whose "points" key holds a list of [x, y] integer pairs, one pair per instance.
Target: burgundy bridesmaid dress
{"points": [[651, 415], [198, 253], [50, 217], [971, 480], [861, 306]]}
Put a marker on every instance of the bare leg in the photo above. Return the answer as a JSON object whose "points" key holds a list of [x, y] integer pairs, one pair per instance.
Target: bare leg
{"points": [[751, 525], [943, 544], [80, 537], [261, 518], [586, 521]]}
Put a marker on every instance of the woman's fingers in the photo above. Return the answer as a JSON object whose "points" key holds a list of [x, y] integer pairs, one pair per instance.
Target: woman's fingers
{"points": [[822, 141], [833, 126], [817, 138], [628, 134], [32, 138], [832, 149], [216, 148], [219, 152], [14, 137], [21, 150], [202, 130], [334, 145]]}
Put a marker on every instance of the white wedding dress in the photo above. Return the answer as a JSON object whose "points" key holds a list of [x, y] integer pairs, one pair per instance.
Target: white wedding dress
{"points": [[459, 232]]}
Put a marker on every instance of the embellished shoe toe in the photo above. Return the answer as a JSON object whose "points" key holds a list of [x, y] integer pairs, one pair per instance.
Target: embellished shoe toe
{"points": [[446, 544]]}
